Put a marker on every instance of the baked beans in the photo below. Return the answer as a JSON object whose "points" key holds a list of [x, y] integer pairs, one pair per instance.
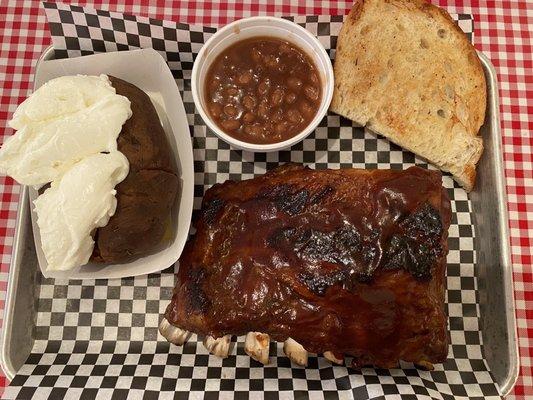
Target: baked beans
{"points": [[263, 90]]}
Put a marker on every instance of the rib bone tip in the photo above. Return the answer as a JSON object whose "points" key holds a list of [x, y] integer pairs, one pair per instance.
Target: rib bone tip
{"points": [[424, 365], [330, 356], [295, 351], [257, 345], [172, 333], [218, 347]]}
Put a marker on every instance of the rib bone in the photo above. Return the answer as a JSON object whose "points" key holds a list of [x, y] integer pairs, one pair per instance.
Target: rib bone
{"points": [[257, 345], [172, 333], [218, 347], [329, 355], [295, 352], [424, 365]]}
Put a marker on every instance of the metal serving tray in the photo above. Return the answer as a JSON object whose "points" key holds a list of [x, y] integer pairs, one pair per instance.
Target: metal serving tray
{"points": [[493, 267]]}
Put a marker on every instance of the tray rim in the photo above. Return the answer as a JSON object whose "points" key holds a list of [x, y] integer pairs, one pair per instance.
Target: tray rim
{"points": [[12, 280], [505, 246], [500, 189]]}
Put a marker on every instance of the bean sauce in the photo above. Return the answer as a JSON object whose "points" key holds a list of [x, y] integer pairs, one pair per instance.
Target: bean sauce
{"points": [[263, 90]]}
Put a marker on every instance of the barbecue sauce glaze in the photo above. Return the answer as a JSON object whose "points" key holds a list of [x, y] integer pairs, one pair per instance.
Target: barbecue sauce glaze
{"points": [[349, 261]]}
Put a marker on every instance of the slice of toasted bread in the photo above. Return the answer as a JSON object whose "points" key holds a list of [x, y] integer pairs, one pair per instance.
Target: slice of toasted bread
{"points": [[406, 71]]}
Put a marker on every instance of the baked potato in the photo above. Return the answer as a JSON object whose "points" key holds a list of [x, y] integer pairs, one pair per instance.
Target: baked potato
{"points": [[145, 198]]}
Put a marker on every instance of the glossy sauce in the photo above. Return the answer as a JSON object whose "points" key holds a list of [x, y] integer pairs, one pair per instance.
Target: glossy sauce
{"points": [[263, 90], [348, 261]]}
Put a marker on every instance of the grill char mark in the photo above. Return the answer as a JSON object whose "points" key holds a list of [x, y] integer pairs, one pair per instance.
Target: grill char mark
{"points": [[198, 300]]}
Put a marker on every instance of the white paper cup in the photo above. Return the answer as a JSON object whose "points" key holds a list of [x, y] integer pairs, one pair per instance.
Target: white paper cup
{"points": [[257, 27]]}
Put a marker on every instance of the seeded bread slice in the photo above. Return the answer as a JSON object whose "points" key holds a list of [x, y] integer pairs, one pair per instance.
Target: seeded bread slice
{"points": [[406, 71]]}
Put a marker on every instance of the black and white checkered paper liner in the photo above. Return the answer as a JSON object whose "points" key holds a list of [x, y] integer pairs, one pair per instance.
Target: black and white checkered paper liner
{"points": [[99, 339]]}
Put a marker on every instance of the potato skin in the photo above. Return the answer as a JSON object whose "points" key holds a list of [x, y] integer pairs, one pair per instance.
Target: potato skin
{"points": [[146, 196]]}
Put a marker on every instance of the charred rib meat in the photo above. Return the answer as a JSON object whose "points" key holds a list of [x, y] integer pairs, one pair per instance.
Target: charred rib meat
{"points": [[339, 261]]}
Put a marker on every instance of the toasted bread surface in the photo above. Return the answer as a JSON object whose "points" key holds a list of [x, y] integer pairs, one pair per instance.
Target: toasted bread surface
{"points": [[405, 70]]}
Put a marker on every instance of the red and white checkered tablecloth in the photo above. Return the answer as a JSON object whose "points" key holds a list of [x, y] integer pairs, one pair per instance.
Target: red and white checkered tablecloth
{"points": [[503, 31]]}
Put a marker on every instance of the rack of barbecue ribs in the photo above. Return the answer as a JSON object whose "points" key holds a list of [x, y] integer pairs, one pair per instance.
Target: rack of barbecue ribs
{"points": [[341, 262]]}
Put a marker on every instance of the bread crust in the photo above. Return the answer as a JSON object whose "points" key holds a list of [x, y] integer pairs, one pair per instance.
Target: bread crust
{"points": [[405, 70]]}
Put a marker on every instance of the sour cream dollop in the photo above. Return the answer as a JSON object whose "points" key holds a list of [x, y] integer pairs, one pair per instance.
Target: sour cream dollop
{"points": [[82, 200], [65, 120]]}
